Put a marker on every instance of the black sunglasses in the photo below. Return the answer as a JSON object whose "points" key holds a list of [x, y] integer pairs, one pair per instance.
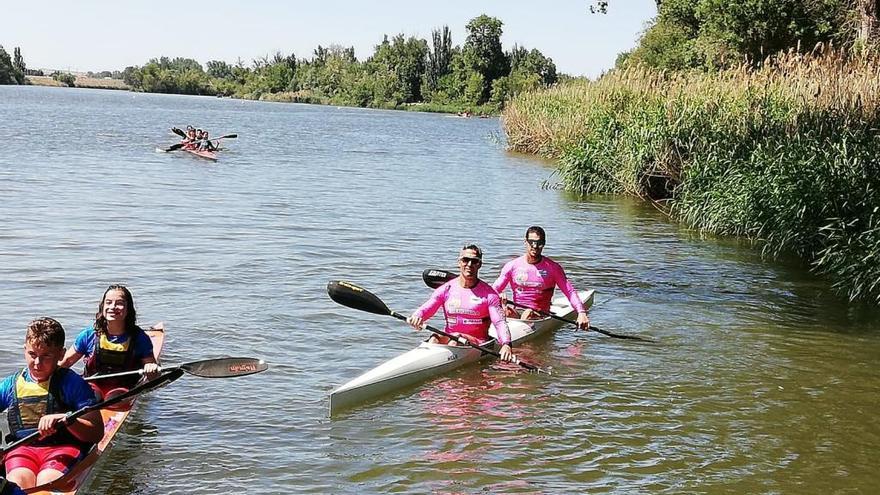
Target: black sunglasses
{"points": [[536, 243], [467, 260]]}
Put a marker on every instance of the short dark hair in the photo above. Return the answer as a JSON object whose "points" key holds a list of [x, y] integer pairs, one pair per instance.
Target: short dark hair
{"points": [[46, 332], [538, 230], [474, 248]]}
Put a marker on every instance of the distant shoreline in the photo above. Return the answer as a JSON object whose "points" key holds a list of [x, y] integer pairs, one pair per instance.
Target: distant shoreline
{"points": [[81, 82], [84, 82]]}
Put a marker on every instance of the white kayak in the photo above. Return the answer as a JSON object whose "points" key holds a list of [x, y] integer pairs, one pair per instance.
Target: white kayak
{"points": [[428, 360]]}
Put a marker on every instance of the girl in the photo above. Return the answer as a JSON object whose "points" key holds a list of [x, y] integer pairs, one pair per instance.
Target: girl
{"points": [[113, 343]]}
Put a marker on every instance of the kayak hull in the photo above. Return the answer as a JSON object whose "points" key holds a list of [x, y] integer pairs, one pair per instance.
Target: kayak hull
{"points": [[81, 473], [207, 155], [429, 360]]}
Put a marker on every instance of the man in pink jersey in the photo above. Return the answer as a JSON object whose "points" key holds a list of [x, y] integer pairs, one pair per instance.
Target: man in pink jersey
{"points": [[533, 278], [470, 305]]}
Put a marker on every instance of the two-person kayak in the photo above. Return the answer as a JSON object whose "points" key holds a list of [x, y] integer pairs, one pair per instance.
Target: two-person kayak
{"points": [[80, 474], [429, 360]]}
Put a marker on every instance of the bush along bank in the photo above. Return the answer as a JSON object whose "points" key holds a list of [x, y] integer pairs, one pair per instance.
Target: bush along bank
{"points": [[786, 154]]}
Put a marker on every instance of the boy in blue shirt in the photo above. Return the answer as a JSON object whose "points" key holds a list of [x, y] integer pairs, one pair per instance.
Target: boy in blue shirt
{"points": [[37, 398]]}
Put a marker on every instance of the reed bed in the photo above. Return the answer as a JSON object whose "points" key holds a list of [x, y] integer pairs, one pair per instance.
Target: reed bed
{"points": [[786, 154]]}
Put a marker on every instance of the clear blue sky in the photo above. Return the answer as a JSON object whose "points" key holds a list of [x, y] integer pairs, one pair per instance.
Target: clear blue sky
{"points": [[95, 35]]}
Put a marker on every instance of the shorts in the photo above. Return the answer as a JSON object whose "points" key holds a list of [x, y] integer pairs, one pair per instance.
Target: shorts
{"points": [[442, 339], [36, 459]]}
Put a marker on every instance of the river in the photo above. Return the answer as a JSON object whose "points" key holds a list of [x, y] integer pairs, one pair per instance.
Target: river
{"points": [[761, 379]]}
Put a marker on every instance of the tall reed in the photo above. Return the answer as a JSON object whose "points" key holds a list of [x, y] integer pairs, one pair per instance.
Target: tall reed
{"points": [[786, 154]]}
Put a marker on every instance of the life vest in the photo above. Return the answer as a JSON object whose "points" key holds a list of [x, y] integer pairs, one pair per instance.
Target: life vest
{"points": [[110, 357], [34, 400]]}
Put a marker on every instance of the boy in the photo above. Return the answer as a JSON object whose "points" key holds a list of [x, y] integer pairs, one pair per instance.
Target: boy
{"points": [[37, 399]]}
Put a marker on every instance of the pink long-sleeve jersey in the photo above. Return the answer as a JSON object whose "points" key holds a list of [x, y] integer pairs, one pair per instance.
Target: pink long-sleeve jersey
{"points": [[468, 311], [533, 285]]}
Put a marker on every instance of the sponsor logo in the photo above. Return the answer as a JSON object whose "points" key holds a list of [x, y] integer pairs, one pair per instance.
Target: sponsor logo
{"points": [[350, 286], [242, 367]]}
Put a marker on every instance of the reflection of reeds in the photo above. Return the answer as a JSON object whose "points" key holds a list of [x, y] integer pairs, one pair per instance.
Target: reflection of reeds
{"points": [[786, 153]]}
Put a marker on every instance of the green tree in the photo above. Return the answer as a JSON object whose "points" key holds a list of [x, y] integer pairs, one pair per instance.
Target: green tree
{"points": [[404, 60], [717, 33], [65, 78], [7, 71], [533, 62], [439, 57], [218, 69], [483, 52], [19, 66]]}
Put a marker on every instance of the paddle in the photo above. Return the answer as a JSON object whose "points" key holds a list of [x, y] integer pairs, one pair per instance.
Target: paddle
{"points": [[435, 278], [179, 132], [177, 146], [348, 294], [116, 399], [207, 368]]}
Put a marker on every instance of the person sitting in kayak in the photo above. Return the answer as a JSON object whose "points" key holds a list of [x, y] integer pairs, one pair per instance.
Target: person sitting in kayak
{"points": [[469, 303], [196, 140], [114, 343], [206, 144], [190, 134], [37, 398], [533, 277]]}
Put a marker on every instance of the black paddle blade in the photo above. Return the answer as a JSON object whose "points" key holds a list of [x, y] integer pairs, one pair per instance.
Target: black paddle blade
{"points": [[225, 367], [174, 147], [179, 132], [435, 278], [349, 294]]}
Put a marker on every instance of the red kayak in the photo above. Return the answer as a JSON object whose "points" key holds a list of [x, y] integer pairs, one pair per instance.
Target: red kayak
{"points": [[208, 155]]}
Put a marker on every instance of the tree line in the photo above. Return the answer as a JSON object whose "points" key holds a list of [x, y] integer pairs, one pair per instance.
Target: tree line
{"points": [[401, 71], [12, 69], [717, 34]]}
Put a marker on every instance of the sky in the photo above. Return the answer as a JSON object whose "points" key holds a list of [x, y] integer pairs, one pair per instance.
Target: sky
{"points": [[96, 35]]}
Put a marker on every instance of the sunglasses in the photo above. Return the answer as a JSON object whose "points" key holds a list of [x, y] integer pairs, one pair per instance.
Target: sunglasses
{"points": [[470, 261], [535, 243]]}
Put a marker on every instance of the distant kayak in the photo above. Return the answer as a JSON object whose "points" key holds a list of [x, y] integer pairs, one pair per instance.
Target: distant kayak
{"points": [[207, 155]]}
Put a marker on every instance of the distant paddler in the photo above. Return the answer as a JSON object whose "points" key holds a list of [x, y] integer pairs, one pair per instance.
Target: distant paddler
{"points": [[533, 277], [37, 400], [205, 144], [469, 304], [114, 343]]}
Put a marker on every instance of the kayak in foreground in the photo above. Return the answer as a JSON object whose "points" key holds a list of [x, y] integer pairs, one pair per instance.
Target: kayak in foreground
{"points": [[429, 360], [80, 474]]}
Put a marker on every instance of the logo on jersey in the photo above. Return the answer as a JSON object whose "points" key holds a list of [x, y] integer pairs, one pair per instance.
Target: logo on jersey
{"points": [[520, 276], [454, 303]]}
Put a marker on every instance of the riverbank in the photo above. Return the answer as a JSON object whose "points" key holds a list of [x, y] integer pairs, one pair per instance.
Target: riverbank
{"points": [[81, 82], [305, 96], [785, 155], [311, 97]]}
